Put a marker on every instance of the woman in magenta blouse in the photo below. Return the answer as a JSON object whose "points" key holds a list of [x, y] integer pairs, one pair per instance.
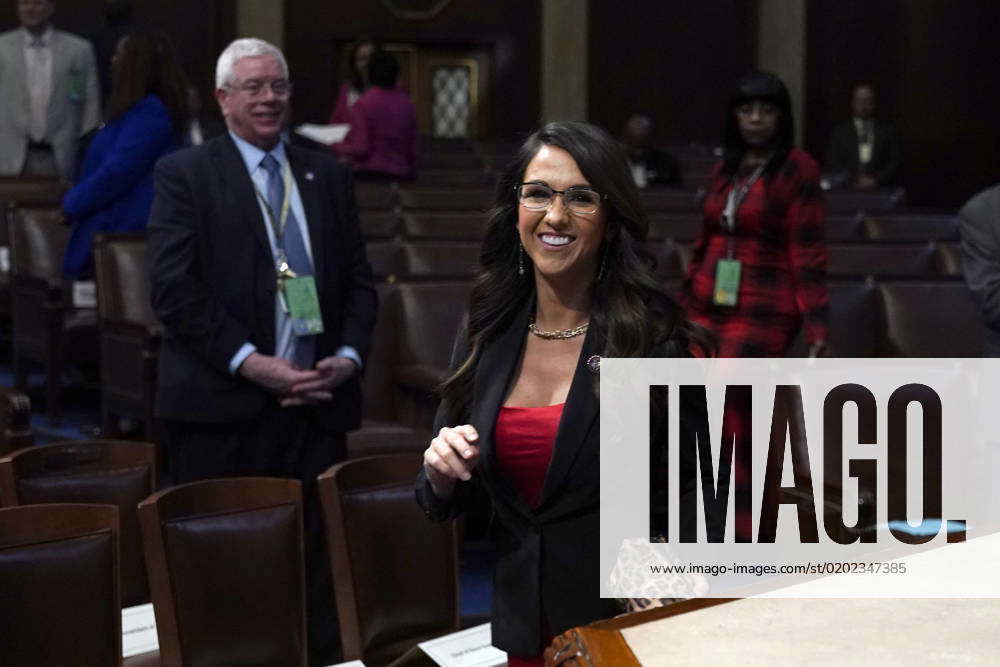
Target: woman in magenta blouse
{"points": [[564, 279], [382, 142]]}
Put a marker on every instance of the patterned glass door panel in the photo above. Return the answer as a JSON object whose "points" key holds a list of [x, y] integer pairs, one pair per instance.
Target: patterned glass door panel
{"points": [[450, 86]]}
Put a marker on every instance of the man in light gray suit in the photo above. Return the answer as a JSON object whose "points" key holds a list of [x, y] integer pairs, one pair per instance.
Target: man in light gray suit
{"points": [[49, 93], [979, 224]]}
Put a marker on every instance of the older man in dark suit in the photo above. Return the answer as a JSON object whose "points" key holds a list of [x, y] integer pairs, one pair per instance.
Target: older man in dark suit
{"points": [[865, 150], [260, 278]]}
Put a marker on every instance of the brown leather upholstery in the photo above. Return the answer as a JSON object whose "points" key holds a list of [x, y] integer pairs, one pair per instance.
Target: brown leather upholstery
{"points": [[446, 198], [930, 319], [856, 321], [851, 202], [472, 175], [437, 155], [678, 226], [59, 602], [911, 227], [225, 561], [375, 196], [383, 430], [108, 472], [395, 573], [444, 225], [660, 199], [379, 224], [47, 329], [839, 228], [128, 331], [432, 313], [440, 260], [15, 422], [30, 191], [384, 256], [888, 260]]}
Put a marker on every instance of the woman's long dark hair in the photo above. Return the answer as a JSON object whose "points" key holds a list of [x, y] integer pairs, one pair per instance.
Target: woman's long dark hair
{"points": [[766, 87], [145, 64], [631, 312], [356, 78]]}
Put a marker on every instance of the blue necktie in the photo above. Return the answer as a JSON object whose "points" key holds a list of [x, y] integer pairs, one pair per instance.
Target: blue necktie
{"points": [[303, 347]]}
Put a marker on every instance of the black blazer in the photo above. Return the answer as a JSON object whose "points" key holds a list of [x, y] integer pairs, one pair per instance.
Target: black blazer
{"points": [[548, 557], [213, 279], [887, 153]]}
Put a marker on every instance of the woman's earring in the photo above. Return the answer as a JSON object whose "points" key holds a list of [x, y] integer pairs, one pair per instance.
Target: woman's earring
{"points": [[520, 258]]}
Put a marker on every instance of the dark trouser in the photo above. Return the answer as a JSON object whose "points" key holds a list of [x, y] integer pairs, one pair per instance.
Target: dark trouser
{"points": [[283, 442]]}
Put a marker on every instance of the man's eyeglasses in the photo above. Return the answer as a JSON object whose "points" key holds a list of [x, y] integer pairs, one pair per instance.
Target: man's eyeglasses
{"points": [[578, 199], [254, 88]]}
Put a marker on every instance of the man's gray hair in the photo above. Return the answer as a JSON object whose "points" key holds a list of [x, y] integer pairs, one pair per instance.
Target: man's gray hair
{"points": [[247, 47]]}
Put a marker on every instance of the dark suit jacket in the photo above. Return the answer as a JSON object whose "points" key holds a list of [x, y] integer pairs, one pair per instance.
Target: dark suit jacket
{"points": [[213, 279], [548, 554], [979, 224], [887, 153]]}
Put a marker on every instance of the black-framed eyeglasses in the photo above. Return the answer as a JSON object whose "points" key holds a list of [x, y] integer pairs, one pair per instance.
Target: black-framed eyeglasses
{"points": [[536, 196], [254, 88]]}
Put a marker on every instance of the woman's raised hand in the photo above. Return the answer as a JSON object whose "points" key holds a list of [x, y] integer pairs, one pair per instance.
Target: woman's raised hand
{"points": [[450, 457]]}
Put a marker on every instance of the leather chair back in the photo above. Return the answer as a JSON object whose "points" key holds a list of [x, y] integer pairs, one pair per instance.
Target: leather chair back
{"points": [[375, 196], [856, 321], [474, 200], [59, 599], [440, 261], [225, 561], [908, 227], [15, 422], [660, 199], [121, 271], [38, 241], [444, 225], [111, 472], [377, 224], [376, 535], [683, 227], [432, 313], [30, 191], [931, 319], [384, 256], [881, 260]]}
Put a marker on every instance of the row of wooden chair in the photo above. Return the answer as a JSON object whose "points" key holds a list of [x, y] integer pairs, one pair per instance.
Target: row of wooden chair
{"points": [[121, 335], [224, 560]]}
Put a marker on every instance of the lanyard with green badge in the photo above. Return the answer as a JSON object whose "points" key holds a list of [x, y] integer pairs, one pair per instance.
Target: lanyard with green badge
{"points": [[728, 270], [298, 294]]}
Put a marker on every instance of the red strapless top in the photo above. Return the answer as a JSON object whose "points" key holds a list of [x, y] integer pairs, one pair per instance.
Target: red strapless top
{"points": [[524, 438]]}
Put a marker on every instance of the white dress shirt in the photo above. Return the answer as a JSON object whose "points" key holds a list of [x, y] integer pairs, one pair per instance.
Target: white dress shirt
{"points": [[252, 157]]}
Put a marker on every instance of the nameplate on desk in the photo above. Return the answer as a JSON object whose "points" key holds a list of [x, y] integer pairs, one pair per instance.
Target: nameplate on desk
{"points": [[4, 259], [138, 630], [469, 648]]}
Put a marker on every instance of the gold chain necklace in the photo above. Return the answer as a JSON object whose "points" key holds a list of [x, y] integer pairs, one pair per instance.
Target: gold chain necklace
{"points": [[560, 334]]}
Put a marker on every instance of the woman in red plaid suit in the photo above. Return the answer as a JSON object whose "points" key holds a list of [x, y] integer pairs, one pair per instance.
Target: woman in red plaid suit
{"points": [[758, 271]]}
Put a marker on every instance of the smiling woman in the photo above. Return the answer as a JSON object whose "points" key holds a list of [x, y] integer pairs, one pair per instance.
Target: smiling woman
{"points": [[565, 278]]}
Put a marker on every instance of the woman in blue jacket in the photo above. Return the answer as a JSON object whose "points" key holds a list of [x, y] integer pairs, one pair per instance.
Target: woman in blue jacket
{"points": [[146, 114]]}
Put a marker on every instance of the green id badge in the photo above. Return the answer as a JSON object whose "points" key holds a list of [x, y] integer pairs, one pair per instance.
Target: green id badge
{"points": [[303, 306], [77, 85], [727, 282]]}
